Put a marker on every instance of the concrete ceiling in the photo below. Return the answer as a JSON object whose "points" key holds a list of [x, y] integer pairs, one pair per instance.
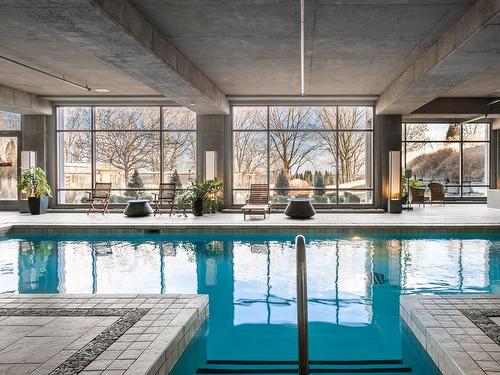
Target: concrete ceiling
{"points": [[251, 47], [243, 47], [24, 39]]}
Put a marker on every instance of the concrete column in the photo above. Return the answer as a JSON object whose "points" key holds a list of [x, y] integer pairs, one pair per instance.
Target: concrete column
{"points": [[211, 136], [387, 137], [37, 134]]}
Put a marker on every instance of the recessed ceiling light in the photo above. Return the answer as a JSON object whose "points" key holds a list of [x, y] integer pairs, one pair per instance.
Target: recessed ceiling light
{"points": [[101, 90], [192, 103]]}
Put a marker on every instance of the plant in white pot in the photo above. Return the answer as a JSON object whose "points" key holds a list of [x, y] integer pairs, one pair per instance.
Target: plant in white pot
{"points": [[34, 183]]}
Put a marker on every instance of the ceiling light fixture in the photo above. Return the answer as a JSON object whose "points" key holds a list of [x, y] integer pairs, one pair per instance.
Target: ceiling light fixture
{"points": [[101, 90], [62, 79], [302, 87], [485, 116]]}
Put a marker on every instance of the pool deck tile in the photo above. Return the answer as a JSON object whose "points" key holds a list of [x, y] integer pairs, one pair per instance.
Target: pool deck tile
{"points": [[452, 217], [84, 340], [458, 332]]}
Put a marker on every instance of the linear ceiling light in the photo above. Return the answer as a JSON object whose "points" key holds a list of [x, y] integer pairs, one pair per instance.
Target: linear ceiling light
{"points": [[302, 88], [62, 79], [485, 116]]}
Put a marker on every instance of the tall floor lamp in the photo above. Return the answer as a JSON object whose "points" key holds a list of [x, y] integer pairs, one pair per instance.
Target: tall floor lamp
{"points": [[408, 174]]}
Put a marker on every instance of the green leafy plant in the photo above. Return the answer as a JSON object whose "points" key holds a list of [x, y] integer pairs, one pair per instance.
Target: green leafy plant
{"points": [[34, 182], [204, 193]]}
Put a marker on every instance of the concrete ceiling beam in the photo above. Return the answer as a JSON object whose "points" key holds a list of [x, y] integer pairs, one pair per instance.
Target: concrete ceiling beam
{"points": [[457, 57], [117, 34], [17, 101]]}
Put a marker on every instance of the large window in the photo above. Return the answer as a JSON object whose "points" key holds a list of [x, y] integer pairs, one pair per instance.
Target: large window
{"points": [[324, 153], [134, 148], [10, 125], [456, 155]]}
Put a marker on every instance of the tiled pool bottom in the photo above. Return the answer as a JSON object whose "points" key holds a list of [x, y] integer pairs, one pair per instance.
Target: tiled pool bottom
{"points": [[113, 334], [355, 283]]}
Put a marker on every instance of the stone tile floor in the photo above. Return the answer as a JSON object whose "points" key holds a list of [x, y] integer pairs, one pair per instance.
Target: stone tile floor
{"points": [[451, 215], [459, 332], [96, 334]]}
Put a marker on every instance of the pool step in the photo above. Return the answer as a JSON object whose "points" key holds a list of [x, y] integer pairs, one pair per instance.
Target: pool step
{"points": [[389, 366]]}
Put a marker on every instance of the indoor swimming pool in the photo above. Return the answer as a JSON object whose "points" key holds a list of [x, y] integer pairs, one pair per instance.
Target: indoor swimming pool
{"points": [[354, 285]]}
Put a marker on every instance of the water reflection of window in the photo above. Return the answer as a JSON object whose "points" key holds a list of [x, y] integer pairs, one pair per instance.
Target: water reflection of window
{"points": [[445, 265], [339, 282], [9, 266]]}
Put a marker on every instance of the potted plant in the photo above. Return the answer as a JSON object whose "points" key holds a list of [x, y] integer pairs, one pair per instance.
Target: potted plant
{"points": [[34, 182], [200, 194]]}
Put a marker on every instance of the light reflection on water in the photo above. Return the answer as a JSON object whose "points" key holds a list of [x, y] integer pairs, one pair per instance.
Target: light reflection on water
{"points": [[353, 283]]}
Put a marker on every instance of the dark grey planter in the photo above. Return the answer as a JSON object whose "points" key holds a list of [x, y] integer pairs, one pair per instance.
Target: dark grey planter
{"points": [[198, 207], [38, 206], [300, 208]]}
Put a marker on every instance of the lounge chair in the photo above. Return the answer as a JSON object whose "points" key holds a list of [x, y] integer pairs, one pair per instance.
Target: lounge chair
{"points": [[258, 204], [99, 196], [437, 192], [166, 196], [417, 195]]}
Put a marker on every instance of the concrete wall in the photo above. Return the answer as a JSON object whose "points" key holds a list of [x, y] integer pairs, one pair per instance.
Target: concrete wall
{"points": [[387, 137]]}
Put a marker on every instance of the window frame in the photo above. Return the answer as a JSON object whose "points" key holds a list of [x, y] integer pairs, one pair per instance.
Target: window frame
{"points": [[268, 130], [460, 142], [93, 131]]}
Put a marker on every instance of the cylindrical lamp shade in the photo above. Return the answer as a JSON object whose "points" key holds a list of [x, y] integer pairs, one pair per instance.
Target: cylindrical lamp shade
{"points": [[394, 203], [210, 165]]}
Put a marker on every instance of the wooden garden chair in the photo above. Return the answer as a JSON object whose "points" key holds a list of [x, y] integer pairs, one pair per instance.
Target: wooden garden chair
{"points": [[166, 196], [417, 195], [437, 192], [259, 203], [99, 196]]}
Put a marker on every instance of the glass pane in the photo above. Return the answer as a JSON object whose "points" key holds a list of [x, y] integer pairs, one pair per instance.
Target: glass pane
{"points": [[127, 118], [469, 190], [123, 196], [293, 118], [178, 118], [128, 160], [8, 167], [355, 164], [355, 118], [452, 191], [355, 197], [438, 162], [476, 132], [179, 157], [72, 197], [249, 159], [475, 161], [75, 165], [302, 161], [10, 121], [432, 132], [249, 118], [240, 196], [74, 118]]}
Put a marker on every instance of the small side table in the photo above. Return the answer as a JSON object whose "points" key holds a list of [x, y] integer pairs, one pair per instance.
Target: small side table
{"points": [[300, 208], [138, 208]]}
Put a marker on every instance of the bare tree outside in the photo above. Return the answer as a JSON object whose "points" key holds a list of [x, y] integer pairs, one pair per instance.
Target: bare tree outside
{"points": [[249, 148], [290, 149], [349, 145], [132, 147]]}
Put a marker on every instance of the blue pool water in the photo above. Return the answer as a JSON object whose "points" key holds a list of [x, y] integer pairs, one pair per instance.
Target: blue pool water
{"points": [[354, 285]]}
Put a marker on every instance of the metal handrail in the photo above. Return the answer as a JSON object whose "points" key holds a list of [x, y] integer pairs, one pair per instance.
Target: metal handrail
{"points": [[300, 248]]}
